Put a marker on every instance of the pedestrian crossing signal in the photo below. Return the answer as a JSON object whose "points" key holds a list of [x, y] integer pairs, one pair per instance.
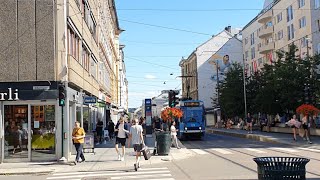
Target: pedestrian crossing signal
{"points": [[62, 95]]}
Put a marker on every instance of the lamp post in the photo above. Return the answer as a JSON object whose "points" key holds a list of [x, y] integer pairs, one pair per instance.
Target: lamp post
{"points": [[244, 88]]}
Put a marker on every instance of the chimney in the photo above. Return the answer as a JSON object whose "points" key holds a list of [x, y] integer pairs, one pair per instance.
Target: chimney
{"points": [[228, 28]]}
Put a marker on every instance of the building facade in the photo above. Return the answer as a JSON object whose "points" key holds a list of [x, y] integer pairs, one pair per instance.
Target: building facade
{"points": [[199, 70], [50, 47], [279, 24]]}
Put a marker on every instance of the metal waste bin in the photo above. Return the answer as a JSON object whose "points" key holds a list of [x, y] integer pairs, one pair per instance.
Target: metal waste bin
{"points": [[270, 168], [163, 143]]}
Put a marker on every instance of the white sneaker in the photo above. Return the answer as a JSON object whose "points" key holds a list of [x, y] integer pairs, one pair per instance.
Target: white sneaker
{"points": [[122, 158], [119, 157]]}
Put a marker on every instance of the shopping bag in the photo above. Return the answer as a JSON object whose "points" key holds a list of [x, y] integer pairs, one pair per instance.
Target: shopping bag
{"points": [[146, 153]]}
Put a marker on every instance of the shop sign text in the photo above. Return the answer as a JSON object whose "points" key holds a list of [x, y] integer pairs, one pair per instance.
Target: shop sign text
{"points": [[9, 95]]}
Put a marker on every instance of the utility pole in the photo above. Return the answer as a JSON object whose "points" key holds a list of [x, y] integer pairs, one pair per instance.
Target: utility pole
{"points": [[218, 102], [188, 85], [244, 88]]}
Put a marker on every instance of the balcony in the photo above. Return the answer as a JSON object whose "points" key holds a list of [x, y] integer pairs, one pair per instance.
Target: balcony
{"points": [[265, 32], [267, 16], [267, 48]]}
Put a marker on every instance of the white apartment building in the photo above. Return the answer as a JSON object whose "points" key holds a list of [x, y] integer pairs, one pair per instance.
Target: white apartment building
{"points": [[201, 70], [279, 24]]}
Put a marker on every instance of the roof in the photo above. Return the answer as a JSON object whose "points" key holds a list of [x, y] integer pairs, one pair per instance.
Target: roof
{"points": [[114, 15]]}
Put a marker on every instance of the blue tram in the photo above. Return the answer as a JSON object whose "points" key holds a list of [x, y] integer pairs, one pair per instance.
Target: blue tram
{"points": [[193, 122]]}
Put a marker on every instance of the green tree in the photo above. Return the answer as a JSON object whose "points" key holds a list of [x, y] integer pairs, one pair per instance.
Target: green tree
{"points": [[231, 92]]}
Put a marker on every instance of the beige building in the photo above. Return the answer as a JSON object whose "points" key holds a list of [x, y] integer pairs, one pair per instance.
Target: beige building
{"points": [[50, 49], [279, 24], [189, 76]]}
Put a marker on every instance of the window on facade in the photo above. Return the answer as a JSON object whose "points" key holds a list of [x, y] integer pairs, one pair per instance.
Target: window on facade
{"points": [[93, 67], [246, 54], [279, 17], [290, 32], [92, 26], [301, 3], [252, 39], [85, 58], [269, 24], [318, 24], [289, 13], [302, 22], [304, 42], [269, 40], [73, 44], [280, 35], [86, 11], [246, 41], [316, 4], [253, 53]]}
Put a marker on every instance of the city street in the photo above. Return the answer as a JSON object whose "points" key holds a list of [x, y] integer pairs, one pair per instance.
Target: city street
{"points": [[217, 157]]}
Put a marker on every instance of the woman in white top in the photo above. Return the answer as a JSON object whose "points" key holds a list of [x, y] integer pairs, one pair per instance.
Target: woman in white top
{"points": [[294, 124], [173, 131]]}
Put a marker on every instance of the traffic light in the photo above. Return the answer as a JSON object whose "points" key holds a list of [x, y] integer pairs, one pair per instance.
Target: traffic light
{"points": [[173, 99], [171, 96], [62, 95]]}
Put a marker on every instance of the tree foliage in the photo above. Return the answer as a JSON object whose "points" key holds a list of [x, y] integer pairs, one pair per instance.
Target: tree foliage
{"points": [[277, 88]]}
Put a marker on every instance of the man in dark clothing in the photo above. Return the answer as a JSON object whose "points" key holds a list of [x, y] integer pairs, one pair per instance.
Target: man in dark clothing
{"points": [[99, 129], [157, 124], [111, 129]]}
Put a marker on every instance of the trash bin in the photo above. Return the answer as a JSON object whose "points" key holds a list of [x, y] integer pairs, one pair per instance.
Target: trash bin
{"points": [[163, 143], [270, 168]]}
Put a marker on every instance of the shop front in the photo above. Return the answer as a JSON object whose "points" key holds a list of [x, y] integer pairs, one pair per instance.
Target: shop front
{"points": [[28, 124]]}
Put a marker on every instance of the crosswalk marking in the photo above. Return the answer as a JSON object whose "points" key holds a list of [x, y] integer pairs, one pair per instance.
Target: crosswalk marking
{"points": [[285, 149], [141, 176], [199, 151], [156, 173], [308, 149], [255, 150], [222, 151]]}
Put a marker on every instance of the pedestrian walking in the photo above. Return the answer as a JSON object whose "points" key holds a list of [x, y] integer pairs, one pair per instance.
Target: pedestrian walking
{"points": [[99, 130], [121, 131], [306, 128], [249, 123], [295, 125], [111, 129], [136, 137], [78, 135], [173, 131]]}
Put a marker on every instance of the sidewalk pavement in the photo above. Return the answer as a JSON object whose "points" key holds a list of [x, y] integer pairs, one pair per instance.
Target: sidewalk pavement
{"points": [[105, 158], [270, 137]]}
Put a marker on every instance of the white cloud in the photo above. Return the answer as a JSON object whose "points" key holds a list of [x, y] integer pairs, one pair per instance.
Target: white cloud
{"points": [[149, 76]]}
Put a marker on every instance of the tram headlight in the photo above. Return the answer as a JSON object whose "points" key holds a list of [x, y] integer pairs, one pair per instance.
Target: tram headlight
{"points": [[200, 128], [185, 128]]}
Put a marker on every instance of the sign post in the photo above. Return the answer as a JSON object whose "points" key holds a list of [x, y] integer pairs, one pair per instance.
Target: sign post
{"points": [[148, 115]]}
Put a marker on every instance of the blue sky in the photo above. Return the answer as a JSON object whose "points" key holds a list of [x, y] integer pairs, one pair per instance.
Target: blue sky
{"points": [[152, 53]]}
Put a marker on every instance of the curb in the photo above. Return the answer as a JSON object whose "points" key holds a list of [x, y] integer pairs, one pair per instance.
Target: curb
{"points": [[246, 136], [26, 173]]}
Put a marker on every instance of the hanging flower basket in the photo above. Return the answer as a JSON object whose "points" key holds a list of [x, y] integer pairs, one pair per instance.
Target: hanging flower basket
{"points": [[307, 109], [169, 114]]}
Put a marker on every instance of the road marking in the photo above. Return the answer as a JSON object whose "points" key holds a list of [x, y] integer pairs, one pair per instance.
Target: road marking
{"points": [[99, 172], [96, 174], [255, 150], [308, 149], [222, 151], [199, 151], [142, 176], [285, 149]]}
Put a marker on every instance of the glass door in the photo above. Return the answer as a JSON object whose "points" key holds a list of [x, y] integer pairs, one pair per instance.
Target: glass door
{"points": [[43, 131], [15, 133]]}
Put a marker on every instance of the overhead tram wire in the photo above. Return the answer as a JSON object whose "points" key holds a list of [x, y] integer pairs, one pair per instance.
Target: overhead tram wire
{"points": [[135, 59], [204, 10]]}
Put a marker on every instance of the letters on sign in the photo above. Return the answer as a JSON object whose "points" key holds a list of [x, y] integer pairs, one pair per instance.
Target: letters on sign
{"points": [[9, 95]]}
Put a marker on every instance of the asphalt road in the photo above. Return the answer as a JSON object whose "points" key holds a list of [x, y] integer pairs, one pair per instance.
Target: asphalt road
{"points": [[216, 157]]}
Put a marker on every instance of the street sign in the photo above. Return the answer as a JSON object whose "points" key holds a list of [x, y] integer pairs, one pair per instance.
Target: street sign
{"points": [[89, 100]]}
